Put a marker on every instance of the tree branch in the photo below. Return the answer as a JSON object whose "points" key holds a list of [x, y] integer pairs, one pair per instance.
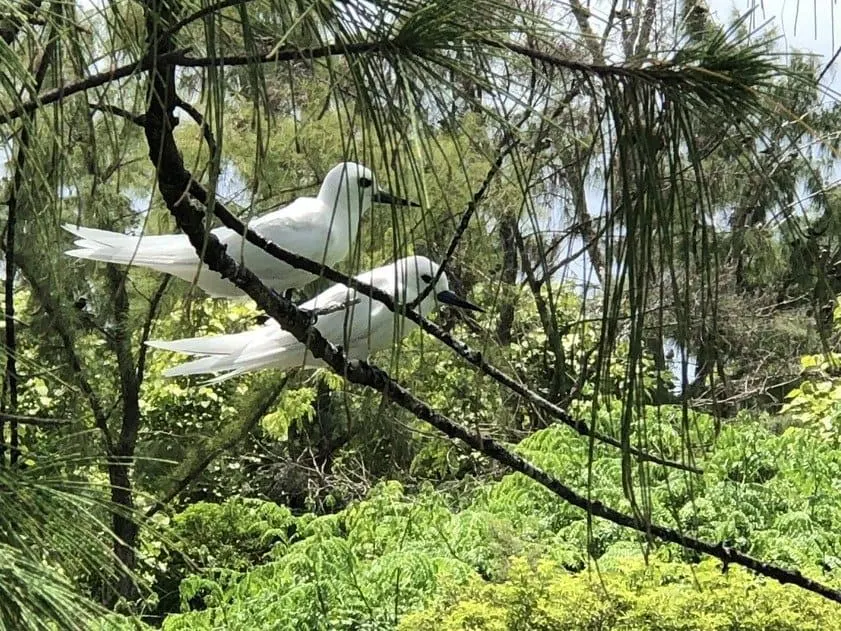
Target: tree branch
{"points": [[137, 119], [547, 316], [204, 11], [34, 420], [212, 147], [506, 146], [147, 328], [470, 355], [180, 58], [174, 182], [663, 75], [10, 381]]}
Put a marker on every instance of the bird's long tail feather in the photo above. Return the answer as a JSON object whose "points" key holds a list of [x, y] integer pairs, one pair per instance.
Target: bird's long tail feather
{"points": [[229, 354], [216, 345], [166, 253]]}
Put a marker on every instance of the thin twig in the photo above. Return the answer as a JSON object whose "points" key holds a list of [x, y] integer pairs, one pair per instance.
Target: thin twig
{"points": [[137, 119], [204, 11], [829, 64], [147, 327], [506, 146], [34, 420], [206, 131], [334, 308]]}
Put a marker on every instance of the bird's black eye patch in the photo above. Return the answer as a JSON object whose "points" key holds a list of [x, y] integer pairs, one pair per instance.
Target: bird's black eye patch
{"points": [[426, 278], [365, 182]]}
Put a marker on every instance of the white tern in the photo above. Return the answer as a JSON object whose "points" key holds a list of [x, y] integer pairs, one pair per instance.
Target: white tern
{"points": [[321, 228], [355, 322]]}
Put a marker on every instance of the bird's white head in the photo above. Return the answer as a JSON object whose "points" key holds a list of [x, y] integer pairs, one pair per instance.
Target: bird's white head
{"points": [[352, 187], [418, 273]]}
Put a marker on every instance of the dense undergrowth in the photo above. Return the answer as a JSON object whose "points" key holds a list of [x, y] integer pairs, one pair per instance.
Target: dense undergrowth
{"points": [[507, 554]]}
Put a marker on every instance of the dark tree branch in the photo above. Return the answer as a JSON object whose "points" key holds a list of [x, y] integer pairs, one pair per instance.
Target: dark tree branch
{"points": [[180, 58], [829, 64], [470, 355], [174, 182], [661, 75], [120, 460], [10, 381], [507, 276], [137, 119], [10, 26], [548, 318]]}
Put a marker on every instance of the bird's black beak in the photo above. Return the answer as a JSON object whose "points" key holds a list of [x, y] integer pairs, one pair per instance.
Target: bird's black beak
{"points": [[449, 298], [383, 197]]}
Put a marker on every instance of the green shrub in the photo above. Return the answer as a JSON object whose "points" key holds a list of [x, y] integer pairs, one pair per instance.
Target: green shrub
{"points": [[631, 596]]}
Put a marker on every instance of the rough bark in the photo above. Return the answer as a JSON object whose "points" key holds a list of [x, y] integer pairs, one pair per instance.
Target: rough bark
{"points": [[508, 276]]}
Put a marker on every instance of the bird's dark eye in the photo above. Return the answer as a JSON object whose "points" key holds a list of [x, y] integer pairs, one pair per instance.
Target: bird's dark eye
{"points": [[426, 278], [365, 182]]}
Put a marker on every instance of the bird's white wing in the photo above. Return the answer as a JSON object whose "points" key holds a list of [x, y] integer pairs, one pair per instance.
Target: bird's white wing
{"points": [[302, 227]]}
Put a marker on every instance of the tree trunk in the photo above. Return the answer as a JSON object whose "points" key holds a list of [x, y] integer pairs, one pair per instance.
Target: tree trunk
{"points": [[508, 276], [119, 465]]}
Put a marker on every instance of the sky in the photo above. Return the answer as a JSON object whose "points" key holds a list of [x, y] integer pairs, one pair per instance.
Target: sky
{"points": [[805, 25]]}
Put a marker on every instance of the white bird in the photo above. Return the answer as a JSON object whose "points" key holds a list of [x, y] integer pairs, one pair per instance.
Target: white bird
{"points": [[355, 322], [322, 229]]}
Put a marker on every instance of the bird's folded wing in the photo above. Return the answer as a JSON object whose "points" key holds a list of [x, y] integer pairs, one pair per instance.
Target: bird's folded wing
{"points": [[303, 215]]}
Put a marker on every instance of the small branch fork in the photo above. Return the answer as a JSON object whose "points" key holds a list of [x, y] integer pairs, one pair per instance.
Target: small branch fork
{"points": [[176, 187]]}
